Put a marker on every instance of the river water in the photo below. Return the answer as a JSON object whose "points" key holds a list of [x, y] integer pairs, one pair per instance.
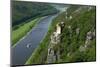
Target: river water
{"points": [[23, 50]]}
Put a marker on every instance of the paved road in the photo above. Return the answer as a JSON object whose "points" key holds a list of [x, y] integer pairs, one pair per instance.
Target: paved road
{"points": [[24, 48]]}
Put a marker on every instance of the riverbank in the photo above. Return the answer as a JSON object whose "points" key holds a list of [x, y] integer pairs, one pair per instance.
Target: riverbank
{"points": [[33, 40], [22, 30]]}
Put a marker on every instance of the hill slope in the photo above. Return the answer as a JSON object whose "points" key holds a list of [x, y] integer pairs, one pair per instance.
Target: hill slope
{"points": [[22, 11], [77, 38]]}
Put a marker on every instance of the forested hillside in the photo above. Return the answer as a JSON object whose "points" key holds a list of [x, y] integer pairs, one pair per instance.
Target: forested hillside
{"points": [[22, 11], [77, 38]]}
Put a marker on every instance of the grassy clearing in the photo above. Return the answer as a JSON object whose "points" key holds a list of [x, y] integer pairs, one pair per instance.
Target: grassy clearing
{"points": [[22, 30]]}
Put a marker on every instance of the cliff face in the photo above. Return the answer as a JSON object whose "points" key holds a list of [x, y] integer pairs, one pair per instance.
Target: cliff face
{"points": [[53, 54], [74, 40]]}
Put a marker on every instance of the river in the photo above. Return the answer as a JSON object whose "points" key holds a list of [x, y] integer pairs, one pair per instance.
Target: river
{"points": [[25, 47]]}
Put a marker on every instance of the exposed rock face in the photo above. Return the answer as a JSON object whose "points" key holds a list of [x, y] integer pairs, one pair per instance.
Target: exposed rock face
{"points": [[50, 58], [58, 31], [62, 24], [70, 17], [54, 55], [55, 38], [90, 35]]}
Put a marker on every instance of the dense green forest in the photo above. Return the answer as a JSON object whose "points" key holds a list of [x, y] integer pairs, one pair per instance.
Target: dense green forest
{"points": [[22, 11], [78, 37]]}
